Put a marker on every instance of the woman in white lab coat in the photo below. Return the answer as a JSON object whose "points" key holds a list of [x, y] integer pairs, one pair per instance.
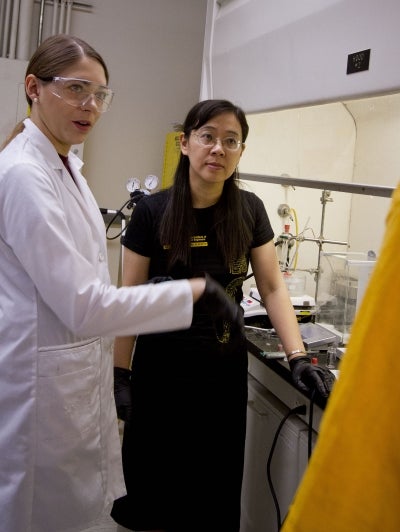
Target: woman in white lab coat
{"points": [[59, 444]]}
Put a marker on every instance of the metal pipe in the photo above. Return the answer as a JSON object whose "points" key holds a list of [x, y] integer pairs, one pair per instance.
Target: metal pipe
{"points": [[40, 29], [55, 14], [7, 17], [324, 198], [82, 6], [61, 19], [2, 22], [352, 188], [318, 240], [24, 29], [70, 3], [14, 30]]}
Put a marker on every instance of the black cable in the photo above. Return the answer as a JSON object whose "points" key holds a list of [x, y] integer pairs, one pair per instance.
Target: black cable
{"points": [[135, 196], [310, 423], [297, 410], [118, 213]]}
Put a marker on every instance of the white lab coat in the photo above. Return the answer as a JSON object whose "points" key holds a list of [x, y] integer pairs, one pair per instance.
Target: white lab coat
{"points": [[60, 465]]}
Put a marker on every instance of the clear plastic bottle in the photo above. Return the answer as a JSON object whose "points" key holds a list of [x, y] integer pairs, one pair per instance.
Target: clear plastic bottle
{"points": [[331, 357]]}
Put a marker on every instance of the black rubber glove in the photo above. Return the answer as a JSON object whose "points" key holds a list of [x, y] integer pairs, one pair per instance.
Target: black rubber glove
{"points": [[122, 393], [159, 279], [216, 302], [308, 377]]}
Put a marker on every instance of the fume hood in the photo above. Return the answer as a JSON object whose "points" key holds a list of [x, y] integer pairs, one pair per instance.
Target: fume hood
{"points": [[281, 54]]}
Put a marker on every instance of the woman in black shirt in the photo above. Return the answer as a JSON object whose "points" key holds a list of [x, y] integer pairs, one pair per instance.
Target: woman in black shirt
{"points": [[184, 437]]}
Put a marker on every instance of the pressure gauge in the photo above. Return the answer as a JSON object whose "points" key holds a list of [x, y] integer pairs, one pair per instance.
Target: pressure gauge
{"points": [[133, 184], [151, 182]]}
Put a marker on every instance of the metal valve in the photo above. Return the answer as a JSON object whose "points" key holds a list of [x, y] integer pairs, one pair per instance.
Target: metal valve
{"points": [[283, 210]]}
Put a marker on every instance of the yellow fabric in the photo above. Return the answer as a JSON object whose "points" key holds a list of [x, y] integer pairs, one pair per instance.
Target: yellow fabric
{"points": [[352, 483], [172, 153]]}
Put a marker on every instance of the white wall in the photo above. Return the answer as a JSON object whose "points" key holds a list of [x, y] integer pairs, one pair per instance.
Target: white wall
{"points": [[153, 49], [154, 52], [376, 161], [12, 91]]}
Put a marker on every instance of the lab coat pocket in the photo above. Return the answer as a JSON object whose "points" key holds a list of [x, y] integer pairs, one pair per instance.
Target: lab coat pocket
{"points": [[68, 391], [68, 453]]}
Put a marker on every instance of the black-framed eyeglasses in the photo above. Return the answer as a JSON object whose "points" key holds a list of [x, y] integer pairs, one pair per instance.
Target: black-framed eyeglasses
{"points": [[205, 138], [76, 92]]}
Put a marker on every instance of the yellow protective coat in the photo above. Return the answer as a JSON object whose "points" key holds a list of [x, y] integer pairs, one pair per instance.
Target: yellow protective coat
{"points": [[352, 483]]}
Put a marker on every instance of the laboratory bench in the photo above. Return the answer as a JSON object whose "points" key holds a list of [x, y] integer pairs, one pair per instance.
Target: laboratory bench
{"points": [[272, 396], [274, 373]]}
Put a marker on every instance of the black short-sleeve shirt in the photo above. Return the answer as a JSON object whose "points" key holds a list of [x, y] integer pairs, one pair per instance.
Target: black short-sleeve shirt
{"points": [[142, 237]]}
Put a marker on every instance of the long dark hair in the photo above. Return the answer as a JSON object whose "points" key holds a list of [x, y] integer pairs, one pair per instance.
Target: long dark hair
{"points": [[52, 57], [231, 214]]}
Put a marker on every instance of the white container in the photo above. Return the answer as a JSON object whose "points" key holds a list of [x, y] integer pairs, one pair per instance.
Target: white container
{"points": [[296, 283]]}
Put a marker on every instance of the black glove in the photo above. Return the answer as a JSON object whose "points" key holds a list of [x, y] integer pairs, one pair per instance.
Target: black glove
{"points": [[216, 302], [122, 393], [308, 377], [159, 279]]}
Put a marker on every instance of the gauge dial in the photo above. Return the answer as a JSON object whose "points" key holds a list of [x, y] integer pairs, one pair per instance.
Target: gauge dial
{"points": [[133, 184], [151, 182]]}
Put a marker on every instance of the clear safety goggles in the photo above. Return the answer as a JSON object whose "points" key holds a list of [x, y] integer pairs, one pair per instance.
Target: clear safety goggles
{"points": [[77, 92]]}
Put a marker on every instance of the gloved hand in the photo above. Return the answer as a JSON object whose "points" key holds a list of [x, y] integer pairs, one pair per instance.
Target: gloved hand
{"points": [[122, 393], [307, 376], [216, 302]]}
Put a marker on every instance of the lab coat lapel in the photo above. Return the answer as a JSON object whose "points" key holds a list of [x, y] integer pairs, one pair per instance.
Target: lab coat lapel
{"points": [[79, 188]]}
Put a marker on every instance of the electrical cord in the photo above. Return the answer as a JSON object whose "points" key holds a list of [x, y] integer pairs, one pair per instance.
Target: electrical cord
{"points": [[135, 196], [117, 213], [297, 410], [310, 423], [302, 409]]}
